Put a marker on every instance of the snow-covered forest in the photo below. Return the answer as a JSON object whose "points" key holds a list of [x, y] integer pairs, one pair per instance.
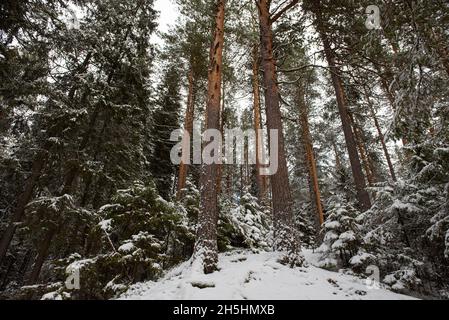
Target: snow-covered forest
{"points": [[92, 205]]}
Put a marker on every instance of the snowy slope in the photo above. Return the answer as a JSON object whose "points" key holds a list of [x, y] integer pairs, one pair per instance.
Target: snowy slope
{"points": [[247, 276]]}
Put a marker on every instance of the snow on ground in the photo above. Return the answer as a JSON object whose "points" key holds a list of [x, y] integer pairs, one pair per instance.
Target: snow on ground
{"points": [[247, 276]]}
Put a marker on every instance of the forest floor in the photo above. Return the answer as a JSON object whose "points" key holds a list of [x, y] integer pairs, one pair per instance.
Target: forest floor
{"points": [[244, 275]]}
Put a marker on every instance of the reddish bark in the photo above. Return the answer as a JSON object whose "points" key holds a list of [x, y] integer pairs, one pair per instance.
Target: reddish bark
{"points": [[206, 248]]}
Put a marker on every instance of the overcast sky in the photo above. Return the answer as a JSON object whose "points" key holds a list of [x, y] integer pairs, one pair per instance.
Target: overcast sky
{"points": [[168, 13]]}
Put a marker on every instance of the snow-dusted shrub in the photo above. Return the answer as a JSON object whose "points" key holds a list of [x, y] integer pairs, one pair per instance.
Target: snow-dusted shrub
{"points": [[404, 280], [306, 224], [244, 225], [190, 200], [439, 231], [48, 214], [342, 238], [140, 234], [405, 231]]}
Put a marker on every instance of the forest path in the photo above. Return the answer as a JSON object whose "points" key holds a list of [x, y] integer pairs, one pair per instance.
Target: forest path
{"points": [[244, 275]]}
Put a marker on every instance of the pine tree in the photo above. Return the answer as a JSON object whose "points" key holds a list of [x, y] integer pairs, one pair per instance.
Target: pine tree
{"points": [[285, 239], [206, 250], [92, 120], [359, 179], [165, 121]]}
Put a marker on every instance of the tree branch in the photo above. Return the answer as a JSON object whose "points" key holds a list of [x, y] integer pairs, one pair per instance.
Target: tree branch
{"points": [[286, 8], [298, 68]]}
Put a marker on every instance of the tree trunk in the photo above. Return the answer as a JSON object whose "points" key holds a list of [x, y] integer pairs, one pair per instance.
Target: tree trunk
{"points": [[188, 127], [385, 78], [261, 182], [338, 163], [284, 234], [229, 180], [362, 150], [310, 156], [37, 167], [359, 180], [222, 127], [66, 189], [382, 139], [41, 256], [4, 277], [23, 201], [206, 248], [242, 181], [45, 246]]}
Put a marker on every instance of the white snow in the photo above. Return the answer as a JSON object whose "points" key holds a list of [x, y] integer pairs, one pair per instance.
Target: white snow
{"points": [[127, 248], [78, 265], [106, 225], [109, 206], [52, 296], [348, 236], [360, 258], [332, 225], [245, 275], [399, 205]]}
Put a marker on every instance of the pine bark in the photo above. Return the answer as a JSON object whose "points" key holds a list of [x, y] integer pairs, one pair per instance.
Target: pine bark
{"points": [[359, 180], [284, 234], [206, 248]]}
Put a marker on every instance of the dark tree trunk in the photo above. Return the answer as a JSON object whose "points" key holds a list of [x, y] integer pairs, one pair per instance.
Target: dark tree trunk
{"points": [[69, 179], [23, 201], [41, 256], [36, 170], [310, 156], [362, 150], [382, 139], [188, 127], [261, 181]]}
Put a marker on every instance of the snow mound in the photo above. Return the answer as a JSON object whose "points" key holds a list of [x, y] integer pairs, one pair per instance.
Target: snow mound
{"points": [[244, 275]]}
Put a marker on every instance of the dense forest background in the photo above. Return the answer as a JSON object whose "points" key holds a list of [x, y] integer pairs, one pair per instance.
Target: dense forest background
{"points": [[88, 103]]}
